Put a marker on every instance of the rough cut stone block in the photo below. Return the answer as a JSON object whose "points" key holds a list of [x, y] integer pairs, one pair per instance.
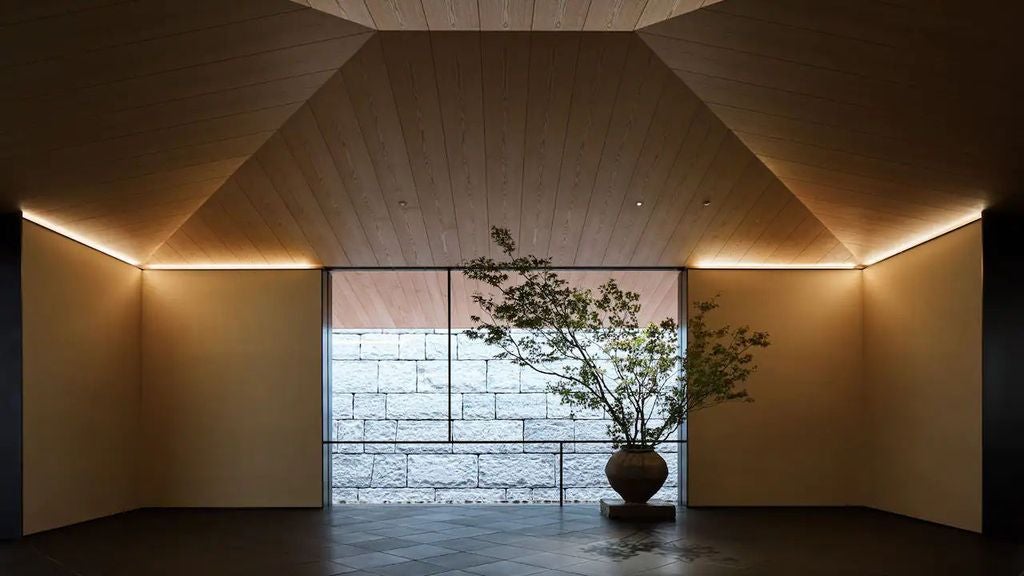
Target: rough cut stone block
{"points": [[517, 406], [379, 430], [668, 493], [470, 495], [545, 494], [472, 349], [423, 406], [519, 495], [442, 471], [432, 376], [344, 346], [517, 470], [388, 471], [488, 430], [533, 381], [589, 494], [412, 346], [503, 376], [556, 409], [396, 376], [423, 430], [469, 376], [351, 470], [349, 376], [584, 470], [344, 495], [438, 448], [341, 406], [489, 448], [347, 449], [561, 430], [437, 346], [396, 495], [592, 430], [595, 448], [378, 347], [347, 430], [532, 495], [478, 406], [368, 406]]}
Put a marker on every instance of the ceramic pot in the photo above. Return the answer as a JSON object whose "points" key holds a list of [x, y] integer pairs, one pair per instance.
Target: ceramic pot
{"points": [[636, 473]]}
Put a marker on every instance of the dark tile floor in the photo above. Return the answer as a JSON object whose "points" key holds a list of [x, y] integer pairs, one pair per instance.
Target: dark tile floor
{"points": [[508, 540]]}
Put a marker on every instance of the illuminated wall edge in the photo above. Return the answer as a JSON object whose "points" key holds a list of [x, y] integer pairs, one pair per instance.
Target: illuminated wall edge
{"points": [[57, 228], [874, 259], [231, 266], [870, 261]]}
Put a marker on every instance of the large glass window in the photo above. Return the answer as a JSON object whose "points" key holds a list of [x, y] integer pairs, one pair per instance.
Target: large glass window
{"points": [[419, 412]]}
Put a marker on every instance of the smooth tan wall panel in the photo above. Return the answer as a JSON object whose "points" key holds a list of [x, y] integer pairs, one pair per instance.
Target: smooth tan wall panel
{"points": [[795, 444], [922, 334], [81, 381], [232, 399]]}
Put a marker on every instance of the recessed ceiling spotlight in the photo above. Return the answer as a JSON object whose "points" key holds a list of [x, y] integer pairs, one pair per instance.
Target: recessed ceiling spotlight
{"points": [[639, 203], [403, 203], [707, 203]]}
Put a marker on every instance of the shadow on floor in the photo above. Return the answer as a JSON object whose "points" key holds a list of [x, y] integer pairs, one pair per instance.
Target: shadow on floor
{"points": [[505, 540]]}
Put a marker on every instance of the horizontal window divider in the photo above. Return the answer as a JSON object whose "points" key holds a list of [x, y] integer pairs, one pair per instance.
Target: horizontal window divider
{"points": [[484, 442], [556, 268]]}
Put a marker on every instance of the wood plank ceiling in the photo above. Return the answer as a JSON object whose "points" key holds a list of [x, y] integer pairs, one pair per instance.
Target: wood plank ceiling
{"points": [[281, 132], [889, 120], [119, 119], [374, 299], [507, 15], [422, 141]]}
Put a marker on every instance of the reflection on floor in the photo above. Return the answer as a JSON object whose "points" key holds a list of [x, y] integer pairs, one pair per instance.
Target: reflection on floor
{"points": [[507, 540]]}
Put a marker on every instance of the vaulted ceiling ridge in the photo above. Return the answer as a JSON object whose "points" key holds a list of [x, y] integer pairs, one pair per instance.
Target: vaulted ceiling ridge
{"points": [[301, 197], [120, 120], [891, 122], [506, 15]]}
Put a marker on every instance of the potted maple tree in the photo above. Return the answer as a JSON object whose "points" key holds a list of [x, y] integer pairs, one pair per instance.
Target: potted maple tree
{"points": [[601, 357]]}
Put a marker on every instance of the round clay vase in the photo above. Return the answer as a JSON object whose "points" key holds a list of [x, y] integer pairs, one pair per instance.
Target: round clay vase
{"points": [[636, 473]]}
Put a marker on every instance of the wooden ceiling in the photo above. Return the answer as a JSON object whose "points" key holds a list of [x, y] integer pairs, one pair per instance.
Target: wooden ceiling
{"points": [[375, 299], [889, 120], [281, 132], [119, 119], [507, 15], [423, 141]]}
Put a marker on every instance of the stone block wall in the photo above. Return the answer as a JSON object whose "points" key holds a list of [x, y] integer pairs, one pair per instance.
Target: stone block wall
{"points": [[391, 386]]}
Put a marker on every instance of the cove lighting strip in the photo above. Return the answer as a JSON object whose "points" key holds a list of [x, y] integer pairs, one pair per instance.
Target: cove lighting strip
{"points": [[931, 235], [53, 226], [766, 266], [233, 266]]}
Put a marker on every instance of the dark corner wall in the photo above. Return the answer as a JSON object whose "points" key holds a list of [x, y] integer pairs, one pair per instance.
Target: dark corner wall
{"points": [[922, 387], [1003, 396], [81, 381], [10, 375]]}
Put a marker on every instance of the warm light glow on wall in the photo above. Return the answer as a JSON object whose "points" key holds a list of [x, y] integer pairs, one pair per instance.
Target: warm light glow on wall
{"points": [[770, 266], [930, 235], [234, 266], [67, 233]]}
